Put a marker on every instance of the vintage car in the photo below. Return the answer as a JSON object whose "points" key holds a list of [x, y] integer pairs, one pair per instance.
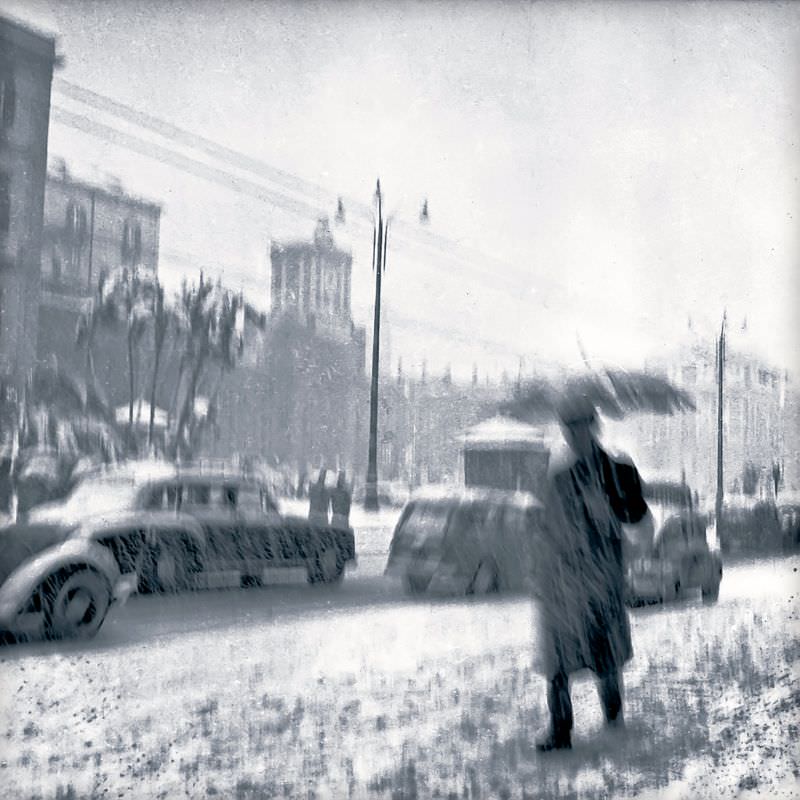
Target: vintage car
{"points": [[750, 527], [472, 540], [151, 527], [679, 558]]}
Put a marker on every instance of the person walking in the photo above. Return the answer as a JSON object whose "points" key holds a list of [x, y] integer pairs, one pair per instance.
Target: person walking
{"points": [[341, 499], [319, 500], [581, 580]]}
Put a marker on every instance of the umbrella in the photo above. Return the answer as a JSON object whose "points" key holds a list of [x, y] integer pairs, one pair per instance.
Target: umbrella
{"points": [[614, 393]]}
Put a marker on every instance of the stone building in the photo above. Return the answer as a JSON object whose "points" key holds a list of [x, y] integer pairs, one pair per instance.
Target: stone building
{"points": [[89, 229], [92, 229], [311, 281], [300, 399], [754, 420], [27, 60]]}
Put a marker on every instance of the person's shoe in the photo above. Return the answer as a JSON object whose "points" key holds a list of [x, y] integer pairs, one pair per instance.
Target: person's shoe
{"points": [[554, 741]]}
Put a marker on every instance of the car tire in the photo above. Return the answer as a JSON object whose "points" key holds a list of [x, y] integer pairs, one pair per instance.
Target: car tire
{"points": [[672, 593], [415, 584], [710, 593], [485, 580], [75, 604]]}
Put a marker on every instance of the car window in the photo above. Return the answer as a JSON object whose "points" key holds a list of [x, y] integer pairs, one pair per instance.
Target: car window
{"points": [[174, 496], [197, 494], [254, 499], [155, 498], [230, 496]]}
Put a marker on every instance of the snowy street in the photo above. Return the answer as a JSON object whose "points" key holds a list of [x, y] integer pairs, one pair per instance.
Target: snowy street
{"points": [[357, 690]]}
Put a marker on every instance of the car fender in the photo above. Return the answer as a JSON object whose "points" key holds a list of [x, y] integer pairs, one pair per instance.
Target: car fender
{"points": [[21, 584]]}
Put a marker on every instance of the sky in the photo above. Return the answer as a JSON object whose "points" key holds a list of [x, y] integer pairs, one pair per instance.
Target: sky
{"points": [[599, 176]]}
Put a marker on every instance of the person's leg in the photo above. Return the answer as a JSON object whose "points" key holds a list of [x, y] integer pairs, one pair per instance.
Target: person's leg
{"points": [[560, 705], [610, 689]]}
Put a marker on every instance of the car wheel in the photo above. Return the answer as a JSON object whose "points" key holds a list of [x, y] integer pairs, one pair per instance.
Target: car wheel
{"points": [[710, 593], [485, 579], [672, 592], [75, 604], [415, 584]]}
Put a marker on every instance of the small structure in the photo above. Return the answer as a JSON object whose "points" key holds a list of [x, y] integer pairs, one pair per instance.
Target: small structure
{"points": [[503, 453]]}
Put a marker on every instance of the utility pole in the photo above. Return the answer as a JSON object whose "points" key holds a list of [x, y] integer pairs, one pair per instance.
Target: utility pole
{"points": [[720, 405], [379, 241]]}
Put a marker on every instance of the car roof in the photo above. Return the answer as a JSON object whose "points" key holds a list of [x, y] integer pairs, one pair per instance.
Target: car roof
{"points": [[460, 495], [151, 471], [668, 492], [138, 519]]}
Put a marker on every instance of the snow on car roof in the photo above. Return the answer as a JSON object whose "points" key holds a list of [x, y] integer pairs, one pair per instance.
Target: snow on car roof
{"points": [[150, 470], [473, 494], [504, 431]]}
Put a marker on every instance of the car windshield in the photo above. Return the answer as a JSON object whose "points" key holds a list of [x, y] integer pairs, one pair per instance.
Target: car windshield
{"points": [[102, 495], [426, 522]]}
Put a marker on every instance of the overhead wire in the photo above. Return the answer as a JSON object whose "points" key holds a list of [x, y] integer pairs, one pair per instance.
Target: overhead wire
{"points": [[496, 275], [238, 185]]}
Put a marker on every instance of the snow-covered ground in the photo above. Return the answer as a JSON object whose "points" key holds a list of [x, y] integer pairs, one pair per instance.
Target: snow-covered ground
{"points": [[359, 692]]}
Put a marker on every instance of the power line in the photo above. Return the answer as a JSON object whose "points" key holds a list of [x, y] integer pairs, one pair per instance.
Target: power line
{"points": [[410, 234], [194, 167], [173, 132]]}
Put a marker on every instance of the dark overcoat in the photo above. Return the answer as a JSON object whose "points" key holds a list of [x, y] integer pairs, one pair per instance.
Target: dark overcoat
{"points": [[580, 580]]}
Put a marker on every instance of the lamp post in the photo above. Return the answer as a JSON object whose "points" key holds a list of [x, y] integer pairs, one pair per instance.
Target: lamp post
{"points": [[380, 233], [720, 439]]}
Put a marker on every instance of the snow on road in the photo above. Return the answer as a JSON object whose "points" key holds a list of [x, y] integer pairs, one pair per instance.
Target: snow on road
{"points": [[359, 692]]}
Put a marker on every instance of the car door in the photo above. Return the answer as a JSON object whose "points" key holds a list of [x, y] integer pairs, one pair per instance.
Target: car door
{"points": [[209, 504], [127, 544]]}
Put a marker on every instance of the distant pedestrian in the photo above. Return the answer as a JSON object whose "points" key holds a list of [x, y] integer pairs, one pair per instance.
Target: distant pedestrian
{"points": [[319, 500], [300, 492], [341, 499], [581, 575]]}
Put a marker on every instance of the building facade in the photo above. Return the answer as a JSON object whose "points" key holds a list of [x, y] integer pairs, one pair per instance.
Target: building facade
{"points": [[754, 421], [91, 230], [311, 281], [27, 60], [299, 398]]}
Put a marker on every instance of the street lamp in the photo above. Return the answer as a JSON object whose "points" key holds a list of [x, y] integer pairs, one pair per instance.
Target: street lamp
{"points": [[380, 233], [380, 238]]}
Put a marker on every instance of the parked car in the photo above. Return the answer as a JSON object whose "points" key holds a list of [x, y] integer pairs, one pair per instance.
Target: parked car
{"points": [[151, 527], [680, 558], [789, 517], [464, 541], [751, 529]]}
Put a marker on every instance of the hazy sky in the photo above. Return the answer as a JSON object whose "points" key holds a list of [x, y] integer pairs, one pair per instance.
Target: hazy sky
{"points": [[602, 171]]}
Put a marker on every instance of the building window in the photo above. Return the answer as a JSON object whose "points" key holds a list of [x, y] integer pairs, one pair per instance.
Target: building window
{"points": [[5, 204], [131, 242], [75, 223], [8, 95]]}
